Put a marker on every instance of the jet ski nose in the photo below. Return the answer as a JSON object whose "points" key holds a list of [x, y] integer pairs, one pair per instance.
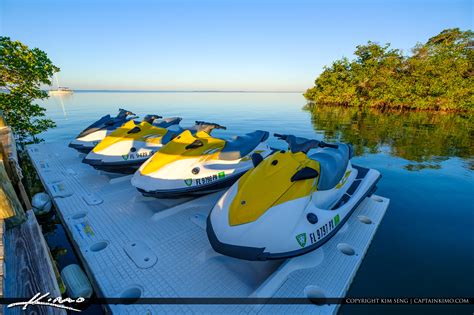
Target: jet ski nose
{"points": [[148, 182], [92, 162], [80, 147], [75, 145], [93, 159]]}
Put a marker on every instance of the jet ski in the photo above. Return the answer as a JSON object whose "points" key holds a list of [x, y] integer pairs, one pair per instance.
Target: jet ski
{"points": [[126, 148], [197, 164], [290, 203], [93, 134]]}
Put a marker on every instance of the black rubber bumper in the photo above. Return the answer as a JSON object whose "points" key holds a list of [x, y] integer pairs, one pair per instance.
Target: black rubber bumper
{"points": [[114, 167], [192, 191], [80, 148], [242, 252]]}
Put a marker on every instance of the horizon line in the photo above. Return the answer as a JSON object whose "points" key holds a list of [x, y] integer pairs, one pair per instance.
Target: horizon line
{"points": [[184, 91]]}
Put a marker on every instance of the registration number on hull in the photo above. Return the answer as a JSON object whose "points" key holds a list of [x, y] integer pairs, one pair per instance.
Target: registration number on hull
{"points": [[133, 156], [319, 234], [324, 230], [205, 180]]}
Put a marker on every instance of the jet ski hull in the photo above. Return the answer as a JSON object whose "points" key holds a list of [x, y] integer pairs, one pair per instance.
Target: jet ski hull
{"points": [[128, 167], [192, 191], [81, 148], [258, 253]]}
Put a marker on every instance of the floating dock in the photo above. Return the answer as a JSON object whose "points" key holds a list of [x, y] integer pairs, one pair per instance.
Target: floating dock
{"points": [[134, 246]]}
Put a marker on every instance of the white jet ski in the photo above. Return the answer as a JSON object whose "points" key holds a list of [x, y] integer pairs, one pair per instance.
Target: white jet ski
{"points": [[290, 203], [196, 164], [97, 131], [125, 149]]}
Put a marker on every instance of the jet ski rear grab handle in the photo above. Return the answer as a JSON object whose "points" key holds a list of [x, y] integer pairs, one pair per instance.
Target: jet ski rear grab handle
{"points": [[321, 144], [213, 125], [151, 118], [127, 112], [123, 113]]}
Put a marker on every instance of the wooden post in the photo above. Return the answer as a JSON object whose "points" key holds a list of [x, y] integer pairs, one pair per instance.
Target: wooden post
{"points": [[10, 206], [10, 161], [2, 120], [2, 260]]}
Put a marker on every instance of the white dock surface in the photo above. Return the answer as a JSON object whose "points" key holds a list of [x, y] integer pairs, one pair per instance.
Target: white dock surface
{"points": [[139, 246]]}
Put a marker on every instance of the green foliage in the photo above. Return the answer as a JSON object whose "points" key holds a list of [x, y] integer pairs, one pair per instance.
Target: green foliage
{"points": [[439, 75], [22, 71]]}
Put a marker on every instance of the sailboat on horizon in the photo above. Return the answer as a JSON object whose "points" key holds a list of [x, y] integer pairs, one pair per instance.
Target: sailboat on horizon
{"points": [[61, 90]]}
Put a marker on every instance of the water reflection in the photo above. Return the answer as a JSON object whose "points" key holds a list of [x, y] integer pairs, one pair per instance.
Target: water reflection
{"points": [[425, 138], [59, 100]]}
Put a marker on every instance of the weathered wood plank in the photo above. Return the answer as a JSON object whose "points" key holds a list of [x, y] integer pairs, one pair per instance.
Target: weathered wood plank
{"points": [[8, 140], [11, 163], [2, 120], [29, 269], [10, 206], [2, 263], [5, 150]]}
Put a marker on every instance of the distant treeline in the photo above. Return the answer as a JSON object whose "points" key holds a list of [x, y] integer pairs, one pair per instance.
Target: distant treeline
{"points": [[439, 75]]}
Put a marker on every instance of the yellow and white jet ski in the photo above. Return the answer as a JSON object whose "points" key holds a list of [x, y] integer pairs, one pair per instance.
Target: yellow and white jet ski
{"points": [[196, 164], [290, 203], [126, 148], [93, 134]]}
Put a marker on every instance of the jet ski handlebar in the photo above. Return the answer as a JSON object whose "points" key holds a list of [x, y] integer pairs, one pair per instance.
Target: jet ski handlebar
{"points": [[323, 144], [293, 141], [125, 112], [151, 118], [280, 136], [210, 125]]}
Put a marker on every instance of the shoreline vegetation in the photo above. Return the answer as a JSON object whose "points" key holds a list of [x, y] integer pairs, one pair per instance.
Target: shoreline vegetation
{"points": [[180, 91], [437, 76]]}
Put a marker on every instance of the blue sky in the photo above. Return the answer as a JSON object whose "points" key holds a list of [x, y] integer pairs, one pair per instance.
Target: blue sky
{"points": [[216, 45]]}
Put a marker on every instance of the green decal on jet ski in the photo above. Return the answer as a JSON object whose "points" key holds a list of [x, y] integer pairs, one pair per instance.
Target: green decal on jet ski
{"points": [[221, 175], [301, 239], [336, 220], [188, 181], [125, 157]]}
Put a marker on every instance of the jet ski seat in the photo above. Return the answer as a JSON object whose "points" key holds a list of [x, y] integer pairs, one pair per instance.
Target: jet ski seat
{"points": [[240, 146], [166, 122], [333, 164], [95, 126]]}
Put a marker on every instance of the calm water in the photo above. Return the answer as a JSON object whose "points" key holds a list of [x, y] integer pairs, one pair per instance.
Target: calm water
{"points": [[425, 244]]}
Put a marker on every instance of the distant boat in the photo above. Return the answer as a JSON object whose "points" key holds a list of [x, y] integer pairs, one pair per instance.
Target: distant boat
{"points": [[61, 90]]}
